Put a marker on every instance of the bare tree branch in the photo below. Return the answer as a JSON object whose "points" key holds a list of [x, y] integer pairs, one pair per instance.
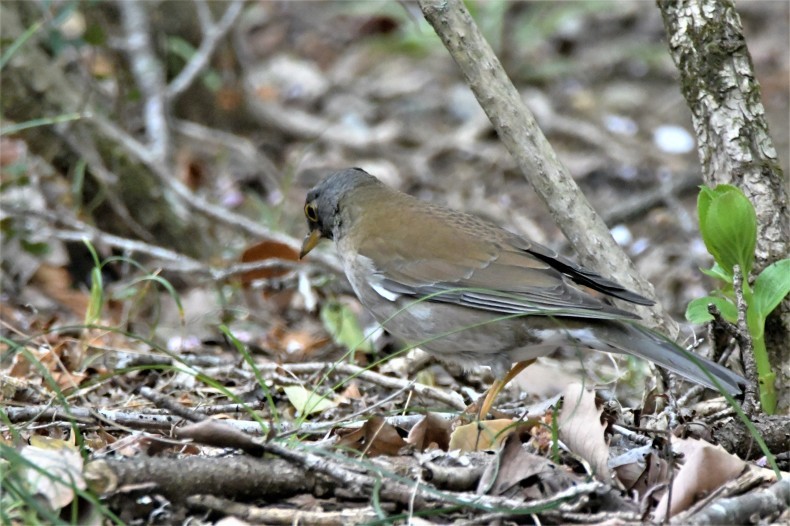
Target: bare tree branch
{"points": [[213, 33], [149, 76]]}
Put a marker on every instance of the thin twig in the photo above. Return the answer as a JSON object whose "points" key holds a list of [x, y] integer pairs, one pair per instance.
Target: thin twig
{"points": [[148, 74], [452, 400], [212, 34], [751, 402], [177, 262], [171, 405], [404, 492], [106, 179], [198, 203], [241, 145]]}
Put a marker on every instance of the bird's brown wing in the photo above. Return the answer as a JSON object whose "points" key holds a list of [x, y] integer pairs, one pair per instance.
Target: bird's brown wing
{"points": [[463, 260]]}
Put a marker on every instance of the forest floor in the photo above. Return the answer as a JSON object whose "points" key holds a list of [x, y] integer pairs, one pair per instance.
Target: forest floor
{"points": [[146, 378]]}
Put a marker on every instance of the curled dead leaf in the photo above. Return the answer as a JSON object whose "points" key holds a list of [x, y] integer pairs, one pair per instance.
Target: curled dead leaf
{"points": [[519, 473], [263, 251], [376, 437], [480, 436], [581, 429], [432, 431]]}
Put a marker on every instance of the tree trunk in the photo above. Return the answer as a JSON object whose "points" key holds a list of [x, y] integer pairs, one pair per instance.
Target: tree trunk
{"points": [[718, 82]]}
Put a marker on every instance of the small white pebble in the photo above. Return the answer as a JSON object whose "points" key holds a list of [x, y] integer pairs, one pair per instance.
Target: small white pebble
{"points": [[179, 344], [622, 235], [673, 139]]}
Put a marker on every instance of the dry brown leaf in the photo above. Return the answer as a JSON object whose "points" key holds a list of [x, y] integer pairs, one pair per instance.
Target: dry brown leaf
{"points": [[59, 470], [480, 436], [55, 360], [657, 472], [706, 467], [351, 392], [431, 432], [229, 98], [541, 431], [263, 251], [190, 170], [12, 151], [582, 431], [375, 438], [641, 469], [293, 345], [519, 473], [100, 63], [55, 282]]}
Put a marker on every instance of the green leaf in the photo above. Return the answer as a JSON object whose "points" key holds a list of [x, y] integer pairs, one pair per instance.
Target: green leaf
{"points": [[717, 272], [181, 48], [37, 249], [94, 35], [35, 123], [306, 402], [729, 227], [697, 310], [770, 288], [18, 43], [704, 199], [96, 297], [341, 323]]}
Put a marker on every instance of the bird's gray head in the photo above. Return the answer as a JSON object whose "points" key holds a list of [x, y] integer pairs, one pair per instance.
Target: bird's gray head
{"points": [[323, 202]]}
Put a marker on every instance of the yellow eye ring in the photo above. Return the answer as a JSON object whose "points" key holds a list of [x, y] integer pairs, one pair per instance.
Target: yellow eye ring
{"points": [[311, 212]]}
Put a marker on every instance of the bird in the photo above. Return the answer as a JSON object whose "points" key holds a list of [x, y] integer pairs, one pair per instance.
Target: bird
{"points": [[472, 293]]}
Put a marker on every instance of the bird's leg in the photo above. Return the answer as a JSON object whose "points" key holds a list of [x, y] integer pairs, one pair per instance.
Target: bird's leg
{"points": [[498, 385]]}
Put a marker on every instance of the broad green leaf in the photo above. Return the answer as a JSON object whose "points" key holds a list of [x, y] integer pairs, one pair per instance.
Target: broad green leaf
{"points": [[770, 288], [755, 322], [704, 199], [697, 310], [729, 227], [307, 402], [342, 325]]}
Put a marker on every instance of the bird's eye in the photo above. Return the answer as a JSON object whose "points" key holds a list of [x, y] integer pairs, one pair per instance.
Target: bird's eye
{"points": [[311, 212]]}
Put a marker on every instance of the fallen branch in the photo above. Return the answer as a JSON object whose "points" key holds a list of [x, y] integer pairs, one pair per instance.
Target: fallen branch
{"points": [[178, 478], [756, 506], [281, 515]]}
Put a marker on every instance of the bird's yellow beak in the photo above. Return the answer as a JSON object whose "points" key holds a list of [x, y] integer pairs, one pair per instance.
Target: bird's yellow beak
{"points": [[309, 243]]}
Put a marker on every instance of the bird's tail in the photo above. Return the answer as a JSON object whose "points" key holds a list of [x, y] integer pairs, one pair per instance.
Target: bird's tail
{"points": [[634, 339]]}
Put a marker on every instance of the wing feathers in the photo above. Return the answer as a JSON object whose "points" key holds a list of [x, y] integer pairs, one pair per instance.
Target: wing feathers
{"points": [[466, 261]]}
